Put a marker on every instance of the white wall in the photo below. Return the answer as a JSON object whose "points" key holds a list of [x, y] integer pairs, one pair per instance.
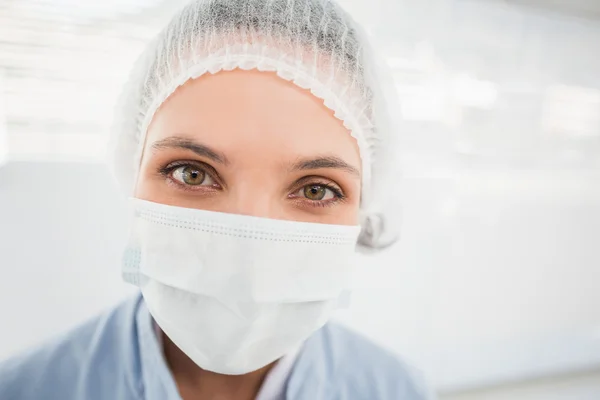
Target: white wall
{"points": [[60, 230]]}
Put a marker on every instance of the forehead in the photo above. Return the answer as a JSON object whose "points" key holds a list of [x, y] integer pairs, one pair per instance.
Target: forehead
{"points": [[244, 113]]}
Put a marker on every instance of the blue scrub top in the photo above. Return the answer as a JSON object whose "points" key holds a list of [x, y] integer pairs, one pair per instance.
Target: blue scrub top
{"points": [[117, 356]]}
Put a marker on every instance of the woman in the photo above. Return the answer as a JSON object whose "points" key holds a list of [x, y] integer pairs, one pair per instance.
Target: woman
{"points": [[253, 141]]}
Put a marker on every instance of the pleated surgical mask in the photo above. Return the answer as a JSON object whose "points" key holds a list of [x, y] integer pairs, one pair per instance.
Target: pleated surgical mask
{"points": [[236, 292]]}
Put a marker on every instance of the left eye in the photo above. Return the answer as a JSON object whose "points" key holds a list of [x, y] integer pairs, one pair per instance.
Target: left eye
{"points": [[192, 176], [316, 192]]}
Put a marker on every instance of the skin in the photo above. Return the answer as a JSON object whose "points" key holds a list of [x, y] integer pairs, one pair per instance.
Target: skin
{"points": [[251, 143]]}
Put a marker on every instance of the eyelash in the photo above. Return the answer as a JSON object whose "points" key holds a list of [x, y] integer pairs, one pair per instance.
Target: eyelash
{"points": [[338, 194]]}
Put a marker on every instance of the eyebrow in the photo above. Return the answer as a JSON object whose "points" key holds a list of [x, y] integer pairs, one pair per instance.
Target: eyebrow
{"points": [[177, 142], [324, 162]]}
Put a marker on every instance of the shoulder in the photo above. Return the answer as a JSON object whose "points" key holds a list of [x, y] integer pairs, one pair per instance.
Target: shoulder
{"points": [[366, 370], [75, 365]]}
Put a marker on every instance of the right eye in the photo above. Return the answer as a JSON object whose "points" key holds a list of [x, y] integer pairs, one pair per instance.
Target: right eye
{"points": [[192, 176]]}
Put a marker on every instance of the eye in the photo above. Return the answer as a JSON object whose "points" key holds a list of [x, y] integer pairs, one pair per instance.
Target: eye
{"points": [[192, 176], [317, 192]]}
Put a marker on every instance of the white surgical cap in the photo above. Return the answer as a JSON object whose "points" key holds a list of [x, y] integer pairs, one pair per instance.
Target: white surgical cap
{"points": [[312, 43]]}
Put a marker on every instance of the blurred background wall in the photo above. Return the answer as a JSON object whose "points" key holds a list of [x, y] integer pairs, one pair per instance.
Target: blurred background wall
{"points": [[494, 289]]}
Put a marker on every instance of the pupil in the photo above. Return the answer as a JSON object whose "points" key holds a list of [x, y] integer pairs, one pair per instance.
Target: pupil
{"points": [[315, 192], [192, 176]]}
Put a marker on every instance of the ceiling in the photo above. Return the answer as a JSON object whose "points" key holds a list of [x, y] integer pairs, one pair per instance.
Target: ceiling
{"points": [[580, 8], [63, 64]]}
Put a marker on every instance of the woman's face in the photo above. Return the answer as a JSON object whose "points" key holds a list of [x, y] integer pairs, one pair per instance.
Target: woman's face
{"points": [[249, 142]]}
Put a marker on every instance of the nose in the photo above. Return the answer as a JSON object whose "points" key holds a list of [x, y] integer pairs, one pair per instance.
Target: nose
{"points": [[251, 198]]}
